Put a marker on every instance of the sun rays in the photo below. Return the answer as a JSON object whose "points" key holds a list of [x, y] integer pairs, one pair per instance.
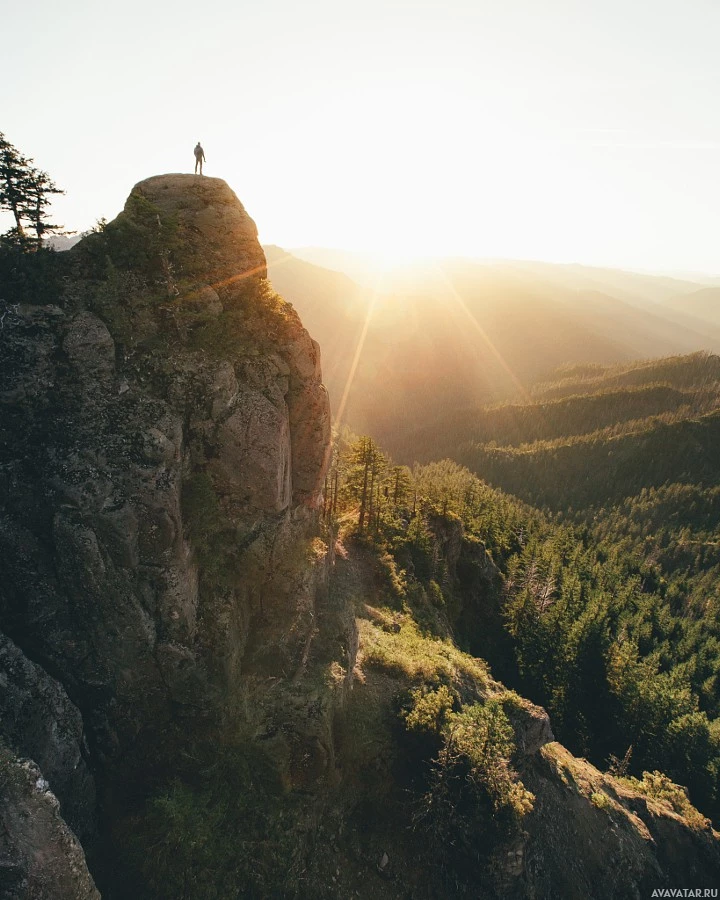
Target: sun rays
{"points": [[479, 344], [356, 359], [480, 331]]}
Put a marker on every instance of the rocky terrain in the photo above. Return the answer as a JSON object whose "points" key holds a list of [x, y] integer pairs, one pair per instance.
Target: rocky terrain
{"points": [[168, 597]]}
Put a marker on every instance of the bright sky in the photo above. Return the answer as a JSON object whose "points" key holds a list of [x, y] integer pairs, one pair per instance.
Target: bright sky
{"points": [[565, 130]]}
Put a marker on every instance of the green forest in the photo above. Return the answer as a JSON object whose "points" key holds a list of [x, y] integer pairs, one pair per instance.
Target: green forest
{"points": [[603, 598], [591, 435]]}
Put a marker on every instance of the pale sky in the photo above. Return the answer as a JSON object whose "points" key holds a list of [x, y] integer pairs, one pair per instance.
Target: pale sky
{"points": [[565, 130]]}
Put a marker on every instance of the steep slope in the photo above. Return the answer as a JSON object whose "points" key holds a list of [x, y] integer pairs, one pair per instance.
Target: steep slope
{"points": [[251, 718]]}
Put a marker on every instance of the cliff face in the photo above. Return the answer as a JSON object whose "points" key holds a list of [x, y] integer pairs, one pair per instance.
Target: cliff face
{"points": [[166, 606], [164, 435], [40, 857]]}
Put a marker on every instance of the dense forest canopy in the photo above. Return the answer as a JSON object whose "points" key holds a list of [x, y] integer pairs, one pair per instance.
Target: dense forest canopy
{"points": [[611, 621], [591, 435]]}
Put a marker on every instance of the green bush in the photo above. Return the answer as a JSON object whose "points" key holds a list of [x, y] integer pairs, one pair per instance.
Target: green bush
{"points": [[429, 709], [475, 798]]}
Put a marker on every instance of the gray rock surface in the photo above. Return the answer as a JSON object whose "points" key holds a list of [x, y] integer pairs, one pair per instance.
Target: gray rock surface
{"points": [[39, 722], [40, 857], [164, 434], [223, 236]]}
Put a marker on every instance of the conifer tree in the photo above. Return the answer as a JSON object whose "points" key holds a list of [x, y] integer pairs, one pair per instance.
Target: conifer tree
{"points": [[366, 463], [14, 171], [26, 192], [39, 189]]}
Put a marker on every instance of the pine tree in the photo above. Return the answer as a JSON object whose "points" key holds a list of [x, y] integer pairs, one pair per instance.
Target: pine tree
{"points": [[26, 192], [365, 465], [14, 171], [39, 189]]}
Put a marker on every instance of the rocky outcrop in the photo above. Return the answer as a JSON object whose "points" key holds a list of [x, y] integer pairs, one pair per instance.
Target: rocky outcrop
{"points": [[592, 835], [164, 433], [40, 858], [471, 576], [39, 722], [219, 237]]}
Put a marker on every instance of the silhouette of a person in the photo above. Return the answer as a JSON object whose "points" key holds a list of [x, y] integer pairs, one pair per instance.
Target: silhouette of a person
{"points": [[199, 157]]}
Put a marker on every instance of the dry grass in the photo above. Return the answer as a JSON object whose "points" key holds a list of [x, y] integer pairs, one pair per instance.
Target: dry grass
{"points": [[394, 643]]}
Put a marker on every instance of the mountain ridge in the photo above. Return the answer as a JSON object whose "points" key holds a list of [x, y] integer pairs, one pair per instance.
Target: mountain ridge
{"points": [[466, 338]]}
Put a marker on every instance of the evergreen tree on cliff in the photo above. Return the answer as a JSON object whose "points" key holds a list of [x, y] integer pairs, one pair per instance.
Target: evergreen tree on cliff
{"points": [[39, 189], [14, 170], [26, 192]]}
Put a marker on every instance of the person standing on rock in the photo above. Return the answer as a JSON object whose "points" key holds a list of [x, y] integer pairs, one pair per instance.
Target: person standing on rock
{"points": [[199, 157]]}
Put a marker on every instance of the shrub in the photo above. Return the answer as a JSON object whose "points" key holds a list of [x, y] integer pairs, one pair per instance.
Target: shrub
{"points": [[659, 787], [429, 709], [600, 800], [436, 595], [475, 797]]}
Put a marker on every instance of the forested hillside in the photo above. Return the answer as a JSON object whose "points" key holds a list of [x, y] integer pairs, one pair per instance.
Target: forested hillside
{"points": [[611, 625], [610, 598], [590, 435]]}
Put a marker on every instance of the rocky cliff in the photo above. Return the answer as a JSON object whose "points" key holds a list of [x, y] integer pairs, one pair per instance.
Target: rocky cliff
{"points": [[182, 681], [164, 439]]}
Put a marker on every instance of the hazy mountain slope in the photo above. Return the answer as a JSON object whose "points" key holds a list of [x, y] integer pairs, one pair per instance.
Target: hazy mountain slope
{"points": [[625, 285], [695, 371], [704, 305], [515, 424], [591, 432], [458, 333], [637, 327], [633, 287], [426, 349]]}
